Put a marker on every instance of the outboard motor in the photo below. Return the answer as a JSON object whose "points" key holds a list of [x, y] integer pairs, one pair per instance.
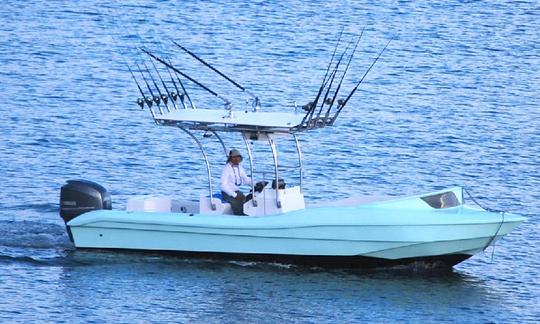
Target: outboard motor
{"points": [[81, 196]]}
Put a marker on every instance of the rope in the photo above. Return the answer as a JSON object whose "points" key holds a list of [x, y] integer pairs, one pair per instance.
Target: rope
{"points": [[501, 212], [478, 204], [495, 235]]}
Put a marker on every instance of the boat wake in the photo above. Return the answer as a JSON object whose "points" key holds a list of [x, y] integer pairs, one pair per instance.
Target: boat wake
{"points": [[33, 242], [253, 264], [417, 267], [5, 257], [30, 234]]}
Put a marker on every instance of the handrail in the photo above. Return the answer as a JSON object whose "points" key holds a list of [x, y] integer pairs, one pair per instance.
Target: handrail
{"points": [[212, 205]]}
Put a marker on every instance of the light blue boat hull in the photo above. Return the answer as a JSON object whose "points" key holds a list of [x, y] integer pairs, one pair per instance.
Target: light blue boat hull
{"points": [[401, 229]]}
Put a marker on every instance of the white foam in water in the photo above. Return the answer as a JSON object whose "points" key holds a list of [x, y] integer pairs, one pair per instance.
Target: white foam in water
{"points": [[32, 234]]}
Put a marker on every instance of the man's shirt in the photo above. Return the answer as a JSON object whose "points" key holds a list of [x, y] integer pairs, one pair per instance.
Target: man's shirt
{"points": [[232, 177]]}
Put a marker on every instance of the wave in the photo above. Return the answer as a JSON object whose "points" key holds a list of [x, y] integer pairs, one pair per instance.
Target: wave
{"points": [[32, 234], [32, 260], [39, 207]]}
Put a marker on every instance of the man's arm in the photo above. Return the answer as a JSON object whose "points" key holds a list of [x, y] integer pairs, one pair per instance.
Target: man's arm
{"points": [[245, 179]]}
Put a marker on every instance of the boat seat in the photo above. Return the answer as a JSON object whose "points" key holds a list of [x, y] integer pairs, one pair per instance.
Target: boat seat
{"points": [[222, 207], [149, 203], [220, 196]]}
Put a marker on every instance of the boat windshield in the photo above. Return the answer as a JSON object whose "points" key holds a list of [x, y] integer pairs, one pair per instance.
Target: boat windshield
{"points": [[443, 200]]}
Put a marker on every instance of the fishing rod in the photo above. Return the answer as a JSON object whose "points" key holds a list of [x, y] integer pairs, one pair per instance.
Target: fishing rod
{"points": [[171, 95], [332, 58], [257, 102], [325, 99], [149, 100], [333, 55], [144, 99], [227, 102], [181, 85], [156, 99], [179, 94], [331, 77], [334, 73], [309, 106], [161, 96], [327, 114], [184, 92], [342, 103]]}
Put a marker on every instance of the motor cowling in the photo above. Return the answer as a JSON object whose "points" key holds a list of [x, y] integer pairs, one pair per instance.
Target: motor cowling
{"points": [[81, 196]]}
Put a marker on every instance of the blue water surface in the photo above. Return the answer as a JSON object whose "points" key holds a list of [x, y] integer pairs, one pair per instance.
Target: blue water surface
{"points": [[454, 100]]}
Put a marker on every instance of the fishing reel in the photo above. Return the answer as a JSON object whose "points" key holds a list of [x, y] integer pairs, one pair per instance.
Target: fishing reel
{"points": [[328, 101], [140, 102], [307, 107], [175, 95], [164, 98], [148, 101], [256, 104]]}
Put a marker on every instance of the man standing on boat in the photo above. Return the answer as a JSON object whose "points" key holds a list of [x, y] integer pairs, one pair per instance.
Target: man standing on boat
{"points": [[232, 177]]}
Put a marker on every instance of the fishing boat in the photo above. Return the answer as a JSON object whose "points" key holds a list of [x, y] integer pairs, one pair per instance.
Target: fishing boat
{"points": [[436, 228]]}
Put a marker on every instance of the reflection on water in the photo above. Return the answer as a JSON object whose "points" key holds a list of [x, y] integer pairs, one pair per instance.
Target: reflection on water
{"points": [[168, 288]]}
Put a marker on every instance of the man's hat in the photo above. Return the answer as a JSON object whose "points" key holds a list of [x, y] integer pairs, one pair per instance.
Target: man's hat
{"points": [[233, 153]]}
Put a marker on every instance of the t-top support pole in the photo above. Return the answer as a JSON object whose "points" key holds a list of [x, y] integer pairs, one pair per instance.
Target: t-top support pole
{"points": [[213, 206], [299, 159], [248, 148], [221, 141], [274, 154]]}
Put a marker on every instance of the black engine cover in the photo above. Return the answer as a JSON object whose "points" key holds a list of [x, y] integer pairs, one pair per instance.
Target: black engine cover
{"points": [[81, 196]]}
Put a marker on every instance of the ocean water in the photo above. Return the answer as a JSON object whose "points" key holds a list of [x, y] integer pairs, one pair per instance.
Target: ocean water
{"points": [[454, 100]]}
